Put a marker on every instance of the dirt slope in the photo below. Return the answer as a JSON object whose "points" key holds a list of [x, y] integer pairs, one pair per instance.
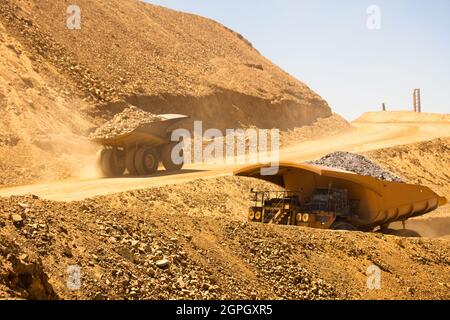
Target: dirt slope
{"points": [[323, 128], [41, 126], [163, 61], [57, 85]]}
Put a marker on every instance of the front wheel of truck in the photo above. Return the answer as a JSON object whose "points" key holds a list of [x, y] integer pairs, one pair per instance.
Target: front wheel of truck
{"points": [[111, 162]]}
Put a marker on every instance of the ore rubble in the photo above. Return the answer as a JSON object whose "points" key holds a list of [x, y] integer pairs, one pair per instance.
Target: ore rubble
{"points": [[357, 164]]}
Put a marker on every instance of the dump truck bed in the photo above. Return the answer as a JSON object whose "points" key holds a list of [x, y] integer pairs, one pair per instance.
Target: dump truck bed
{"points": [[152, 134], [380, 202]]}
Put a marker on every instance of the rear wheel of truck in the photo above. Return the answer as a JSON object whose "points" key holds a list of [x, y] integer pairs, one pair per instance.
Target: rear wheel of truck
{"points": [[112, 162], [343, 226], [167, 160], [146, 161], [130, 161]]}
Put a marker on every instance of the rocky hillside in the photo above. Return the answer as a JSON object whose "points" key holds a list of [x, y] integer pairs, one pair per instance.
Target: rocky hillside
{"points": [[42, 127], [57, 85], [160, 60]]}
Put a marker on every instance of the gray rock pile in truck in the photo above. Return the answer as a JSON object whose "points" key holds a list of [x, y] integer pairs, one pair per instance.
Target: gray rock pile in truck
{"points": [[355, 163], [124, 123]]}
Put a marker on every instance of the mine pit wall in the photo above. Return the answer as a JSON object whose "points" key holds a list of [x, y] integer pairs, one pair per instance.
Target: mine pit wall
{"points": [[227, 109], [224, 108]]}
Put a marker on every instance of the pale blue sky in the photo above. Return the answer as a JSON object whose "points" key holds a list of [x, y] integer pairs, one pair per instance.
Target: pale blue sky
{"points": [[326, 44]]}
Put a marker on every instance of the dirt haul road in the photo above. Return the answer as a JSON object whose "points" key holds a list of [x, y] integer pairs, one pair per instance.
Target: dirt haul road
{"points": [[367, 136]]}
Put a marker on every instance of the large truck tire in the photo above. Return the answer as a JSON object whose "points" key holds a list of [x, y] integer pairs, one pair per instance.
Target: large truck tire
{"points": [[166, 158], [130, 161], [112, 162], [146, 161]]}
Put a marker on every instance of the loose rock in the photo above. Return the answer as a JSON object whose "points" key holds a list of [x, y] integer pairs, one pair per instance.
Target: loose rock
{"points": [[16, 218], [357, 164], [163, 264]]}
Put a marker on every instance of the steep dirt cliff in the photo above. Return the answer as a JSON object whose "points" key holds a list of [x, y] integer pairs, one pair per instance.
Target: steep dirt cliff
{"points": [[163, 61], [58, 84]]}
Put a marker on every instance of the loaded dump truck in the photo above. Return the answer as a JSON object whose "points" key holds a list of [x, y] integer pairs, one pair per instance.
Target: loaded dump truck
{"points": [[140, 150], [328, 198]]}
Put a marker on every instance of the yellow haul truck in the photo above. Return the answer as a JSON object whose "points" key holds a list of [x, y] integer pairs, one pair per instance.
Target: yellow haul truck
{"points": [[140, 151], [327, 198]]}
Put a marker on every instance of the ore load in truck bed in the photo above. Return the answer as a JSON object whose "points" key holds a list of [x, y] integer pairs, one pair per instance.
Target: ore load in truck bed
{"points": [[357, 164], [124, 123]]}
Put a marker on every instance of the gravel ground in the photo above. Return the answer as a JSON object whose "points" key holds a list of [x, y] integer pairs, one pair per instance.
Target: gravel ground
{"points": [[356, 163], [141, 245]]}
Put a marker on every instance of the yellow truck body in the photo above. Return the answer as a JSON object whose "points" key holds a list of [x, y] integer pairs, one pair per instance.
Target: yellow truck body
{"points": [[380, 202]]}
